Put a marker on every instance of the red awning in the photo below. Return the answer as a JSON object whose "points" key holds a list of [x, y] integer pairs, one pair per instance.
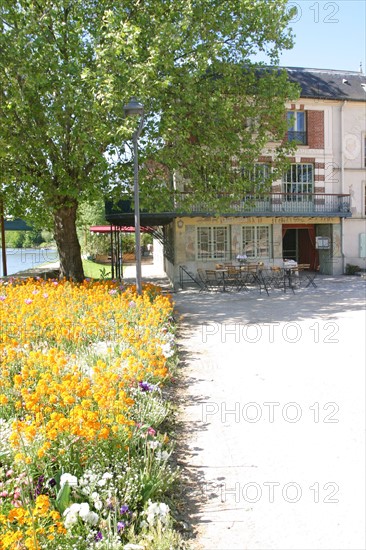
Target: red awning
{"points": [[121, 229]]}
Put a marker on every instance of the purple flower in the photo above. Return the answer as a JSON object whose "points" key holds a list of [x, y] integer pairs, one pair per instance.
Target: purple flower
{"points": [[52, 482], [2, 297], [99, 536], [132, 304], [39, 486], [120, 525], [145, 386], [124, 509], [112, 291]]}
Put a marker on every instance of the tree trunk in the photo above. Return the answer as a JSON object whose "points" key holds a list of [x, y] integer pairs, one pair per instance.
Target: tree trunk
{"points": [[67, 241]]}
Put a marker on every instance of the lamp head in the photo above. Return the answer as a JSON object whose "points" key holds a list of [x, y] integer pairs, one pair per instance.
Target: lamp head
{"points": [[133, 108]]}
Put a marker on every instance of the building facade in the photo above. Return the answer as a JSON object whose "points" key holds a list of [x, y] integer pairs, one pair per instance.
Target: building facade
{"points": [[316, 213]]}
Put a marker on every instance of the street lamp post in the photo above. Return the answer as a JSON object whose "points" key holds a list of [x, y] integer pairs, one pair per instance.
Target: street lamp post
{"points": [[134, 108], [3, 243]]}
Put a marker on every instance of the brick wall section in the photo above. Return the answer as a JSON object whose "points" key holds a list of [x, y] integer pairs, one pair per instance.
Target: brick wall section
{"points": [[265, 159], [310, 160], [315, 121], [319, 190], [320, 165], [319, 177]]}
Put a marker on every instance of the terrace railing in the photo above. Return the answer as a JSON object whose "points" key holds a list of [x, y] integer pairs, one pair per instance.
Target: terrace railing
{"points": [[273, 204]]}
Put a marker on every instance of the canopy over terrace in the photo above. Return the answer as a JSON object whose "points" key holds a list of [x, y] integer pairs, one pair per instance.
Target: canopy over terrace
{"points": [[121, 229], [116, 243]]}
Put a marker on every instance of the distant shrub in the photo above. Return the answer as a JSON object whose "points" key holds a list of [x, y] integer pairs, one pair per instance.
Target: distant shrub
{"points": [[352, 269]]}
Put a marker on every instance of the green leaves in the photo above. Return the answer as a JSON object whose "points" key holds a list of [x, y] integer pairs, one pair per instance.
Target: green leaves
{"points": [[67, 69], [63, 498]]}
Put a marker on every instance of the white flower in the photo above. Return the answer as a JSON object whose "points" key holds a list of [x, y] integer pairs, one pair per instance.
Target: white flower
{"points": [[102, 482], [84, 510], [98, 504], [167, 350], [107, 475], [163, 509], [70, 520], [101, 348], [156, 510], [131, 546], [72, 480], [153, 444], [95, 495], [71, 515], [162, 455], [73, 509], [92, 518]]}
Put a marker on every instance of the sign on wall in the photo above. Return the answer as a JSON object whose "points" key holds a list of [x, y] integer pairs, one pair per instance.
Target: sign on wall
{"points": [[322, 243]]}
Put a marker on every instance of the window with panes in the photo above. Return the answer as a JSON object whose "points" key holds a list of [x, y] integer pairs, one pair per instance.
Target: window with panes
{"points": [[256, 241], [299, 178], [212, 243], [297, 126]]}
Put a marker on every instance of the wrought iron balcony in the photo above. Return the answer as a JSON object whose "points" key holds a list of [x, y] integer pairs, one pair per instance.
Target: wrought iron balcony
{"points": [[271, 204], [299, 137], [276, 204]]}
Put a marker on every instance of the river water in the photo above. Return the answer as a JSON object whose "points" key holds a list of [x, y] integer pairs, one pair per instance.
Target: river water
{"points": [[19, 259]]}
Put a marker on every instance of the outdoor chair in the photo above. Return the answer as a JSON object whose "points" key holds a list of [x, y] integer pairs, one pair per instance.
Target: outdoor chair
{"points": [[233, 278], [201, 275], [280, 278], [209, 279], [248, 275], [212, 280], [260, 278], [306, 276], [252, 276]]}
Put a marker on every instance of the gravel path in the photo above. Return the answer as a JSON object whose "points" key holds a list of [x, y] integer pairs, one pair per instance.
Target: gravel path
{"points": [[273, 417]]}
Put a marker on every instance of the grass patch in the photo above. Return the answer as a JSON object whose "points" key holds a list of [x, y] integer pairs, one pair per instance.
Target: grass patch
{"points": [[93, 270]]}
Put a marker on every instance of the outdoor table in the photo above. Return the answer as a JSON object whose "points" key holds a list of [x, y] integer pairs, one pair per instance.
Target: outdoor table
{"points": [[222, 271], [289, 270]]}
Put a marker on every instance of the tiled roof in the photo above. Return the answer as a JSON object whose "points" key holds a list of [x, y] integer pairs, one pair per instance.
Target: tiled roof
{"points": [[329, 84]]}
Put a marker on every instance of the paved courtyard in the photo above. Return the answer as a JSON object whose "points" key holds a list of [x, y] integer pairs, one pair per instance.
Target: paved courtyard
{"points": [[273, 417]]}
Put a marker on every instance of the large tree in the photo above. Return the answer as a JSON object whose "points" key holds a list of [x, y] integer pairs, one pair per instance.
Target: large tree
{"points": [[67, 67]]}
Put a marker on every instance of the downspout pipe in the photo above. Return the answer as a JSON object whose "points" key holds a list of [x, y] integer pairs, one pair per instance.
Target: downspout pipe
{"points": [[342, 184]]}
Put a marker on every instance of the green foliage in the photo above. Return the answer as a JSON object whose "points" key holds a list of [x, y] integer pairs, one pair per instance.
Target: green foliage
{"points": [[63, 498], [25, 239], [104, 274], [92, 269], [14, 239], [67, 69], [352, 269]]}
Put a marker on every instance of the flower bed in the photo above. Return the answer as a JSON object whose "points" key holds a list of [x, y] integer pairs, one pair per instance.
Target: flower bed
{"points": [[83, 456]]}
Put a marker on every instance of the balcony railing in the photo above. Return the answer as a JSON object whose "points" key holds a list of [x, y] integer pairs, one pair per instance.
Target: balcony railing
{"points": [[274, 204], [299, 137]]}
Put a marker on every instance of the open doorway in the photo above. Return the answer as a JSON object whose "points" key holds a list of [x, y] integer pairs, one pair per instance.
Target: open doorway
{"points": [[298, 244]]}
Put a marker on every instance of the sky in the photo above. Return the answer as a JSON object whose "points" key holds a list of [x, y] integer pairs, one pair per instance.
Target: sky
{"points": [[328, 35]]}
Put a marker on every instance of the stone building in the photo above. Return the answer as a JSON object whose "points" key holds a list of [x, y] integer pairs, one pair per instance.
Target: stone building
{"points": [[315, 214]]}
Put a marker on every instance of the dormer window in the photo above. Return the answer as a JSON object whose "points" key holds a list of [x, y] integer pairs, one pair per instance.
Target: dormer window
{"points": [[297, 126]]}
